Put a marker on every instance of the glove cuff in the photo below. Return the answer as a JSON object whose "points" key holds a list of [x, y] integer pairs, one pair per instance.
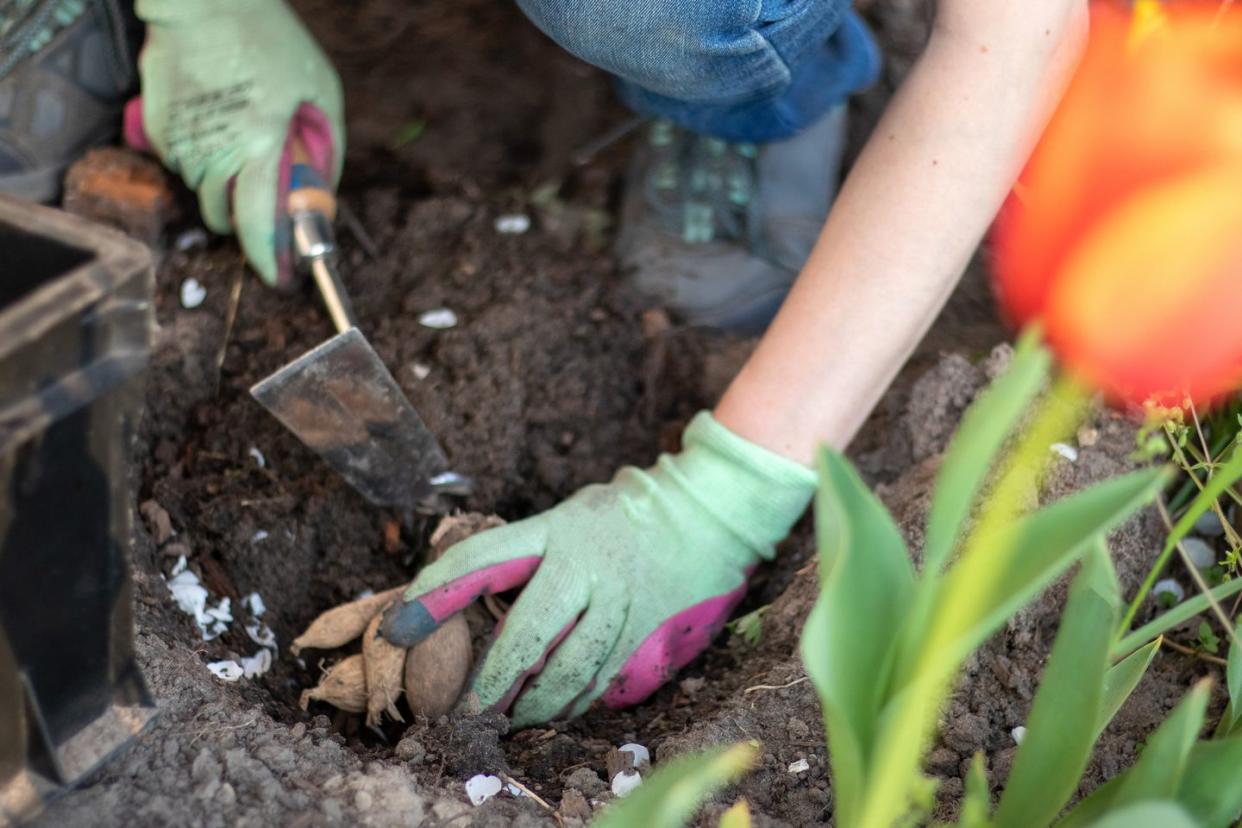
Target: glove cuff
{"points": [[758, 494], [168, 11]]}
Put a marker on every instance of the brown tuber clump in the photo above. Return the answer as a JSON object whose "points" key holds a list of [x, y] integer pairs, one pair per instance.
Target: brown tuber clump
{"points": [[433, 672]]}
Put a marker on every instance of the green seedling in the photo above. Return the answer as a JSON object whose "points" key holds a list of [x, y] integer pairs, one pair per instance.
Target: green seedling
{"points": [[410, 132], [748, 627], [1207, 641]]}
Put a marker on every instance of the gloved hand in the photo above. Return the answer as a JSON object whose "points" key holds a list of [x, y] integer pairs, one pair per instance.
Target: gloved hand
{"points": [[628, 581], [226, 87]]}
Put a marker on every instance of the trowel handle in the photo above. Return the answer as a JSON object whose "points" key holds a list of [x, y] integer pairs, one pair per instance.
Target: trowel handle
{"points": [[312, 207]]}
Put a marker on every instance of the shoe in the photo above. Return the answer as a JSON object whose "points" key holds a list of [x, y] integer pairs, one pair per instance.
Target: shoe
{"points": [[717, 232], [66, 69]]}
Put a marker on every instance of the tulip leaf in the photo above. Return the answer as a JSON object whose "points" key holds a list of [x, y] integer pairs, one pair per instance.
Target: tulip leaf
{"points": [[1233, 671], [982, 432], [850, 638], [671, 795], [1041, 547], [1209, 789], [1159, 771], [977, 804], [1120, 681], [1178, 615], [737, 816], [1061, 729], [1161, 814]]}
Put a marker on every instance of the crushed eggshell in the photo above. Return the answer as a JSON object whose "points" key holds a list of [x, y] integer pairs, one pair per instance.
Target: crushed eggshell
{"points": [[1170, 587], [440, 319], [258, 457], [801, 766], [1209, 525], [1200, 552], [192, 597], [1065, 450], [1018, 734], [641, 755], [227, 670], [254, 603], [421, 371], [194, 237], [482, 787], [514, 790], [262, 635], [259, 536], [257, 664], [192, 293], [512, 224], [625, 782]]}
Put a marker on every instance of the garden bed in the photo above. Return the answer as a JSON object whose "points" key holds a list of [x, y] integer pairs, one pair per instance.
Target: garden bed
{"points": [[554, 376]]}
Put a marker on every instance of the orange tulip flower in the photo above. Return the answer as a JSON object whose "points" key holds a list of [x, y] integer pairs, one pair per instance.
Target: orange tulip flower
{"points": [[1124, 236]]}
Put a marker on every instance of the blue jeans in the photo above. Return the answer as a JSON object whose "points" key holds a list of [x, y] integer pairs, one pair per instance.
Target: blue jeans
{"points": [[741, 70]]}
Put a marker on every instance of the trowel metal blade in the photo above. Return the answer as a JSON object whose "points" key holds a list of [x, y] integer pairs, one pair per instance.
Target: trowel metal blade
{"points": [[342, 402]]}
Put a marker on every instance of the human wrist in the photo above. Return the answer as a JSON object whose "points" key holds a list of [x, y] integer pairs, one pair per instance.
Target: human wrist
{"points": [[755, 492]]}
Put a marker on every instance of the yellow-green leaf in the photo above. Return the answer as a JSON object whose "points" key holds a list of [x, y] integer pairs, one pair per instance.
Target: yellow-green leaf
{"points": [[1061, 729], [672, 794]]}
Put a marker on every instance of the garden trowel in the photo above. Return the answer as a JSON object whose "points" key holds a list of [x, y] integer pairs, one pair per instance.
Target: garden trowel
{"points": [[339, 398]]}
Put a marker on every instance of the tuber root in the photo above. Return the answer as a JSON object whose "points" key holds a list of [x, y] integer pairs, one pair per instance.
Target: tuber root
{"points": [[382, 662], [341, 625], [343, 686]]}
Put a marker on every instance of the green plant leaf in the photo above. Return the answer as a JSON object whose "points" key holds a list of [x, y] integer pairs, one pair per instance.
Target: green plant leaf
{"points": [[1210, 789], [977, 804], [971, 452], [1233, 671], [737, 816], [1230, 720], [1041, 547], [850, 638], [410, 132], [1120, 681], [1178, 615], [1062, 726], [1148, 815], [1158, 772], [671, 795]]}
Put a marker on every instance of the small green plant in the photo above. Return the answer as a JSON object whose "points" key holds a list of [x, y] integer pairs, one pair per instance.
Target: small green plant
{"points": [[1207, 641], [748, 627]]}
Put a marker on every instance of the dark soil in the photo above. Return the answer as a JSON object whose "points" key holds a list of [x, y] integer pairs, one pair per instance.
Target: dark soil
{"points": [[547, 383]]}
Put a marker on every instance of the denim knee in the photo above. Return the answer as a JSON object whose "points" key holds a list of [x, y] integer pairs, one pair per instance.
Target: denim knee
{"points": [[698, 60]]}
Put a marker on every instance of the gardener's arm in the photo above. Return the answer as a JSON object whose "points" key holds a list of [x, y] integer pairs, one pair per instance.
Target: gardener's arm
{"points": [[628, 581], [906, 222]]}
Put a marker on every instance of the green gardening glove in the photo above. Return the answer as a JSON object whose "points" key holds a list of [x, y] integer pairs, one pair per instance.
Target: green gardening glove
{"points": [[232, 90], [628, 581]]}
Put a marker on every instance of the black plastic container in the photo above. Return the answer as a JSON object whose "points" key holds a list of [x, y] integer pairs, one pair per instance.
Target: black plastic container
{"points": [[75, 325]]}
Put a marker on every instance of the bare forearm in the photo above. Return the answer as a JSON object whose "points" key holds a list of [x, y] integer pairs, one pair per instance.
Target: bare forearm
{"points": [[902, 231]]}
